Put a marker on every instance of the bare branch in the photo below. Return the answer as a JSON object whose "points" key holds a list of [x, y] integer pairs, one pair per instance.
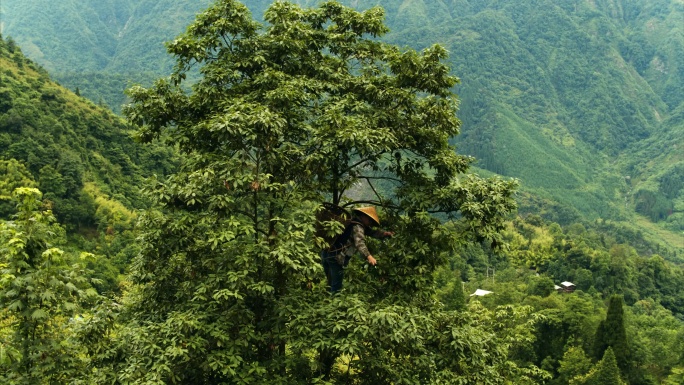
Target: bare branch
{"points": [[374, 190], [362, 161], [380, 178], [372, 202]]}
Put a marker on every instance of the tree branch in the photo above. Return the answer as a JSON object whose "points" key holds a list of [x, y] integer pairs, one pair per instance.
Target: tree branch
{"points": [[380, 178], [362, 161], [374, 190], [372, 202]]}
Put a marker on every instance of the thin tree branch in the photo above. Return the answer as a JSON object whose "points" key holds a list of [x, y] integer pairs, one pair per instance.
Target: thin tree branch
{"points": [[372, 202], [374, 190], [362, 161], [380, 178]]}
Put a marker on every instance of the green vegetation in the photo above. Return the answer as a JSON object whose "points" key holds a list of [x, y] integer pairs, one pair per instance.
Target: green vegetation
{"points": [[569, 98], [611, 334], [104, 47], [551, 96], [41, 288], [656, 185], [282, 119], [220, 282], [606, 372], [576, 328], [79, 155]]}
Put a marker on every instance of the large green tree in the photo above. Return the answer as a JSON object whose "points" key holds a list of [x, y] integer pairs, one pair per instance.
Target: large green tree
{"points": [[13, 174], [41, 287], [605, 372], [306, 108], [611, 332], [575, 363]]}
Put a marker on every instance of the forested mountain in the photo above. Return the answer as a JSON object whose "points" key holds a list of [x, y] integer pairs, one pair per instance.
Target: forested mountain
{"points": [[80, 155], [551, 93], [122, 36], [99, 47], [220, 280], [66, 141], [568, 97]]}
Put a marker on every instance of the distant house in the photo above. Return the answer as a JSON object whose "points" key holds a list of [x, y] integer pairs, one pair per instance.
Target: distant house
{"points": [[557, 288], [480, 293], [568, 287]]}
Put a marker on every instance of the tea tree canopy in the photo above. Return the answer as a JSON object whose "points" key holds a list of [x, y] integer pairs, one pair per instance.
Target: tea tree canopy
{"points": [[228, 286]]}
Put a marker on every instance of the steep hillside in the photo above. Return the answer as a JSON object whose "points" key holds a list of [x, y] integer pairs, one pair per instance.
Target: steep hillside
{"points": [[122, 36], [574, 75], [79, 41], [80, 155], [552, 93], [654, 169], [567, 97]]}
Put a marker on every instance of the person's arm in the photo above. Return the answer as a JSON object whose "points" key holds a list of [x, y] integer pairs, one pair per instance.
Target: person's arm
{"points": [[380, 234], [359, 237]]}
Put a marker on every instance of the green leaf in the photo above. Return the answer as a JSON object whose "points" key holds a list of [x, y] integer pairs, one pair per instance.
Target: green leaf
{"points": [[39, 314]]}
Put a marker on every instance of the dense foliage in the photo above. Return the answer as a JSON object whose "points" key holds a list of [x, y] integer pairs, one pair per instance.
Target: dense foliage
{"points": [[312, 106], [41, 288], [552, 93], [79, 155], [577, 327], [285, 116]]}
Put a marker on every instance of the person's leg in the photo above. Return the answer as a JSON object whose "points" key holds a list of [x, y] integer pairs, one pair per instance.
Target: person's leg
{"points": [[336, 275], [333, 271], [326, 269]]}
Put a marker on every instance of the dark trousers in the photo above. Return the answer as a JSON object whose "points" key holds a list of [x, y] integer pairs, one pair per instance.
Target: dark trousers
{"points": [[333, 271]]}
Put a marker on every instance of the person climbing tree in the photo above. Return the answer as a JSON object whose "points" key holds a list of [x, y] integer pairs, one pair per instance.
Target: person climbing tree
{"points": [[335, 258], [285, 113]]}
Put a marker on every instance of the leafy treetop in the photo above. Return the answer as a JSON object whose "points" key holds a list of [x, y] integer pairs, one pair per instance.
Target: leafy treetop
{"points": [[284, 116]]}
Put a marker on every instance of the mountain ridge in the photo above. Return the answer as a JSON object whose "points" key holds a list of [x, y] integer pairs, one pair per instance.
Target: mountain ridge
{"points": [[563, 96], [80, 155]]}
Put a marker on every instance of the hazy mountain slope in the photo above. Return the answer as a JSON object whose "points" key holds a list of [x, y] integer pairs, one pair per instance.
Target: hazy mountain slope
{"points": [[81, 156], [83, 36], [654, 169], [534, 61], [152, 23], [123, 36], [562, 95], [655, 45], [77, 41], [575, 72]]}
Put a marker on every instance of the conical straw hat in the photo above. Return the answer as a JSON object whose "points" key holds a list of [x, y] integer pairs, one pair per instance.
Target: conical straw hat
{"points": [[370, 212]]}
